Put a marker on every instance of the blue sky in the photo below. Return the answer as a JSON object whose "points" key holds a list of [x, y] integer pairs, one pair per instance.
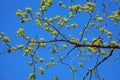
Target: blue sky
{"points": [[14, 66]]}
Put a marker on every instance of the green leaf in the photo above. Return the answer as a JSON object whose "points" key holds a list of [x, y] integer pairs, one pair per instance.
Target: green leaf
{"points": [[6, 39], [32, 76], [52, 60], [73, 78], [74, 70], [48, 64], [54, 50], [9, 50], [55, 77], [41, 71], [81, 65], [41, 60], [30, 63]]}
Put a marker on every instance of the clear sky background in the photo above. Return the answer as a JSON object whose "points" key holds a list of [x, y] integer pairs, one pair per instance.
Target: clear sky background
{"points": [[14, 66]]}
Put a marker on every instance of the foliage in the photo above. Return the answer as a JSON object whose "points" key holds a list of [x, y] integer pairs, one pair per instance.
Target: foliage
{"points": [[69, 36]]}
